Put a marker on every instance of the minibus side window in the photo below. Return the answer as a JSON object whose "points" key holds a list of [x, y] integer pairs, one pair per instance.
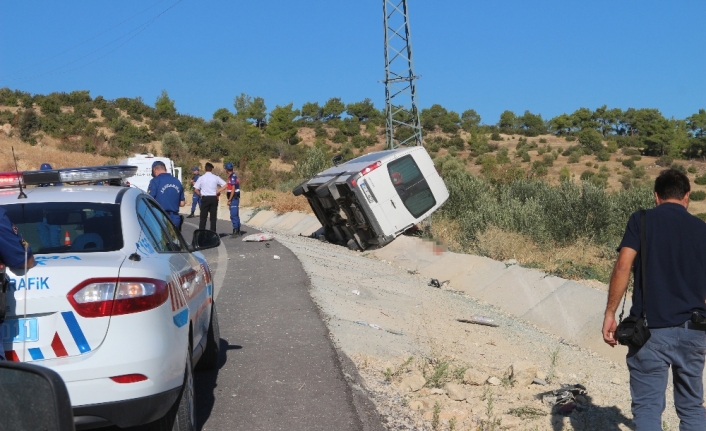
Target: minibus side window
{"points": [[411, 186]]}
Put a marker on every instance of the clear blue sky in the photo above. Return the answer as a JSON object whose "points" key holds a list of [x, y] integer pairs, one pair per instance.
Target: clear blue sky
{"points": [[546, 56]]}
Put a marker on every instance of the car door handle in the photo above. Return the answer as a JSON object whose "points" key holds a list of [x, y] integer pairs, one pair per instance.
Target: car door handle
{"points": [[393, 204]]}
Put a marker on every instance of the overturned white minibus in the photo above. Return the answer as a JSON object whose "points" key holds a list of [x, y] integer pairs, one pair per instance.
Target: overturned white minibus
{"points": [[372, 199]]}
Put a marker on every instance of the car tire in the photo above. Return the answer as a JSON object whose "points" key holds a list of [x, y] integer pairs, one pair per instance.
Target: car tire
{"points": [[185, 419], [211, 354], [182, 415]]}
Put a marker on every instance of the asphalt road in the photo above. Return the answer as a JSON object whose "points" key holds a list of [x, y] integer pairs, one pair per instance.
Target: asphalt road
{"points": [[278, 367]]}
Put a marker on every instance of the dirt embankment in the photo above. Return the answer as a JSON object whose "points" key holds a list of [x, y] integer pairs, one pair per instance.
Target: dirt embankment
{"points": [[426, 371]]}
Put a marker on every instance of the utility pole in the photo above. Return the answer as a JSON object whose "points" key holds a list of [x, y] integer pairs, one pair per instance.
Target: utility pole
{"points": [[402, 116]]}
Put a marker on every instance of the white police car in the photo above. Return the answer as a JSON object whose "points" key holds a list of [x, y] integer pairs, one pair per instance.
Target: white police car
{"points": [[118, 304]]}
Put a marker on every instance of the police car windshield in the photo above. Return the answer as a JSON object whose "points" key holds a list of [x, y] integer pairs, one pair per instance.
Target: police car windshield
{"points": [[68, 227]]}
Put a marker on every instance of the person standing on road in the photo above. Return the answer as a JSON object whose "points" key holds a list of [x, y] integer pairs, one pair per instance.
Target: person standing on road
{"points": [[233, 195], [167, 191], [12, 254], [675, 287], [208, 187], [196, 199]]}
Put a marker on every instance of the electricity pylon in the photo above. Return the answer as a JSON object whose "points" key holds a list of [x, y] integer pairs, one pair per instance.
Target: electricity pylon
{"points": [[402, 116]]}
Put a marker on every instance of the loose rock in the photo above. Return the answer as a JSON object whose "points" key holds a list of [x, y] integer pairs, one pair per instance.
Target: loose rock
{"points": [[474, 377], [494, 381], [456, 392], [523, 372], [412, 383]]}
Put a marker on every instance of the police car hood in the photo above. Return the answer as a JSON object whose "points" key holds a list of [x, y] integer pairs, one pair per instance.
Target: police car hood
{"points": [[41, 323]]}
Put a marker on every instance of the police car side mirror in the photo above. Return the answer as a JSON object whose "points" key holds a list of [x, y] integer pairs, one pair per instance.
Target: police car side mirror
{"points": [[205, 239], [33, 398]]}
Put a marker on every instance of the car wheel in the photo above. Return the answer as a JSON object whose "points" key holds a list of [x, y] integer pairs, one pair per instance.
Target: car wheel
{"points": [[185, 419], [209, 358], [181, 417]]}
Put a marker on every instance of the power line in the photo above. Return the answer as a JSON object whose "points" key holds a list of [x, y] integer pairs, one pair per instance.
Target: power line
{"points": [[142, 27]]}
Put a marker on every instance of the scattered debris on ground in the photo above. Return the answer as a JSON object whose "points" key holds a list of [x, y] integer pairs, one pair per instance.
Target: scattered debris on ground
{"points": [[480, 320], [258, 237]]}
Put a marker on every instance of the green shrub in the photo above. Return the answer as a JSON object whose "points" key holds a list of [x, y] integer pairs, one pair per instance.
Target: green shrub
{"points": [[702, 216], [574, 157], [339, 137], [629, 163], [697, 195], [539, 169], [700, 180], [612, 146], [679, 167], [591, 139], [542, 141], [630, 151], [495, 136], [315, 161], [691, 170], [502, 156], [548, 160], [664, 161], [603, 156], [570, 138], [639, 172], [564, 174], [559, 214], [636, 158], [586, 175], [320, 132]]}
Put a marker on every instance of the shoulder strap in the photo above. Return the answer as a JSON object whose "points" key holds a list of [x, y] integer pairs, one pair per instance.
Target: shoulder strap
{"points": [[643, 258], [643, 266]]}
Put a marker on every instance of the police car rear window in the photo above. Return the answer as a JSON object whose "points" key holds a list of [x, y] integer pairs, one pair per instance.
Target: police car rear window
{"points": [[411, 185], [68, 227]]}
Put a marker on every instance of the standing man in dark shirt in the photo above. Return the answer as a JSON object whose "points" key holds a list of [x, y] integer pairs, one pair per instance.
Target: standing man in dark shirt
{"points": [[675, 287], [195, 199], [167, 191]]}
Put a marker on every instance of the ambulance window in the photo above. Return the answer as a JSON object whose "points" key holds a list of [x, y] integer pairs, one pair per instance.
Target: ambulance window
{"points": [[411, 186]]}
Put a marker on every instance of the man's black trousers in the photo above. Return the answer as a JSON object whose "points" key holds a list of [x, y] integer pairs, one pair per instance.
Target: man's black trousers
{"points": [[209, 205]]}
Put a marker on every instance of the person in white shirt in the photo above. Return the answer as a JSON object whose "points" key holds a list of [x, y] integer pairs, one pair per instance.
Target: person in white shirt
{"points": [[209, 186]]}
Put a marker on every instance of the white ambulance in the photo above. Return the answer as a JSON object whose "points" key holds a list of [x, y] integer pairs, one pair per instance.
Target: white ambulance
{"points": [[144, 161], [374, 198]]}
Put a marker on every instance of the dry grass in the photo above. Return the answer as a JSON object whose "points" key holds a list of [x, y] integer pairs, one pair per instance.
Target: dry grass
{"points": [[581, 260], [31, 157], [279, 202]]}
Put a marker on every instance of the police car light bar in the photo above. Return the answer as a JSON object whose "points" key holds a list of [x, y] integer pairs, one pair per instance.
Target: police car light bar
{"points": [[10, 180], [74, 175]]}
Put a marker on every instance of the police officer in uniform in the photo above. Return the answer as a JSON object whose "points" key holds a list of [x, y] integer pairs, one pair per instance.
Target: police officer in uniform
{"points": [[209, 186], [196, 199], [12, 254], [233, 195], [167, 191]]}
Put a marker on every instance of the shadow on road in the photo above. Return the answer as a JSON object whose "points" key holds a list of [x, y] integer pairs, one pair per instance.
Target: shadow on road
{"points": [[205, 386]]}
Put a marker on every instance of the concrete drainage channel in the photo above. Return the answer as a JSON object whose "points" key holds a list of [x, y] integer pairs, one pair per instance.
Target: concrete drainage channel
{"points": [[568, 309]]}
